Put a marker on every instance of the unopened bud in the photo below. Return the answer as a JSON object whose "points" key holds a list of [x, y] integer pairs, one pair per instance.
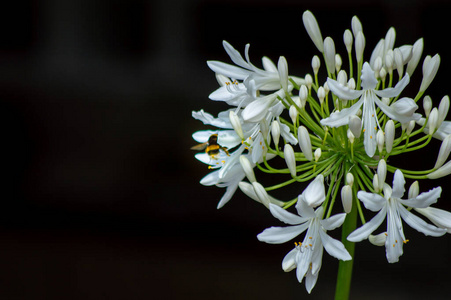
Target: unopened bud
{"points": [[380, 139], [275, 131], [312, 28], [349, 179], [414, 190], [288, 152], [410, 127], [417, 51], [305, 143], [389, 39], [308, 81], [381, 173], [433, 119], [383, 73], [247, 168], [376, 184], [346, 198], [379, 239], [355, 124], [389, 135], [342, 77], [293, 112], [427, 105], [397, 56], [359, 46], [262, 195], [377, 66], [321, 94], [347, 39], [329, 54], [236, 124], [351, 136], [356, 25], [441, 172], [338, 62], [443, 154], [351, 84], [443, 109], [282, 67], [316, 63], [303, 94], [317, 154], [430, 68]]}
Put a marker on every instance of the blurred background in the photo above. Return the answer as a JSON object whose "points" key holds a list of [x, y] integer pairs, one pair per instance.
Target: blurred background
{"points": [[101, 196]]}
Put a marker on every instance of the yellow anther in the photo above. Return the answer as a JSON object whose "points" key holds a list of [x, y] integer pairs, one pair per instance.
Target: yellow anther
{"points": [[375, 128], [372, 115], [406, 241], [386, 234], [310, 245], [227, 83], [393, 245], [371, 136], [223, 161], [310, 237], [364, 130]]}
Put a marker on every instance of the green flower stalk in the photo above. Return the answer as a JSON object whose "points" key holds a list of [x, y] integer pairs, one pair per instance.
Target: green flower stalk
{"points": [[341, 139]]}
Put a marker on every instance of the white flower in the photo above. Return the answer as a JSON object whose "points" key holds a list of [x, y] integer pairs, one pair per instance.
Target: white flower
{"points": [[402, 110], [306, 256], [265, 80], [393, 208]]}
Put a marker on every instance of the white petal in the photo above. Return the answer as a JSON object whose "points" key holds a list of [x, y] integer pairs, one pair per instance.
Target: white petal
{"points": [[369, 81], [333, 222], [393, 110], [210, 179], [208, 119], [419, 224], [341, 91], [258, 109], [268, 65], [424, 199], [303, 209], [279, 235], [364, 231], [228, 70], [235, 56], [289, 261], [315, 192], [369, 125], [394, 91], [373, 202], [342, 117], [286, 216], [334, 247], [310, 281], [439, 217], [230, 191]]}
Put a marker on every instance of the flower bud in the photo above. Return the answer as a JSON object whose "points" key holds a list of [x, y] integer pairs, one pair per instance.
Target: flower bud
{"points": [[442, 110], [275, 131], [347, 39], [389, 135], [355, 125], [317, 154], [236, 124], [443, 154], [346, 198], [282, 67], [433, 119], [377, 66], [338, 62], [430, 68], [397, 56], [288, 152], [389, 39], [329, 54], [312, 28], [383, 73], [303, 94], [380, 139], [293, 112], [351, 84], [308, 81], [247, 168], [262, 195], [351, 137], [321, 94], [414, 190], [376, 184], [427, 105], [379, 239], [349, 179], [356, 25], [417, 51], [381, 173], [359, 46], [316, 63], [389, 62], [410, 127], [305, 143], [441, 172], [342, 77], [326, 88]]}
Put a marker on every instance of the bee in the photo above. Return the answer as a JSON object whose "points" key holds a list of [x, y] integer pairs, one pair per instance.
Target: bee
{"points": [[211, 147]]}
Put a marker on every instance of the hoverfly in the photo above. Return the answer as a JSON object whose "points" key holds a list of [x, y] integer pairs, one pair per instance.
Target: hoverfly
{"points": [[211, 147]]}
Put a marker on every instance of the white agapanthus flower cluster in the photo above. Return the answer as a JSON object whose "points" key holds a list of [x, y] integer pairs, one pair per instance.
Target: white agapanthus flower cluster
{"points": [[339, 138]]}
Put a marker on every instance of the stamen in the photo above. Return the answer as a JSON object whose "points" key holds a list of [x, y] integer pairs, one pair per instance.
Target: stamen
{"points": [[406, 241]]}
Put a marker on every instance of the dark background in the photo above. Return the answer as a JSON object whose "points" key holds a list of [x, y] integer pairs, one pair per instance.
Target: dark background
{"points": [[101, 198]]}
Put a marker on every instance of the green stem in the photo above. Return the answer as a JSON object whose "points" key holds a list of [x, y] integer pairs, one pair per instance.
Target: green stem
{"points": [[345, 267]]}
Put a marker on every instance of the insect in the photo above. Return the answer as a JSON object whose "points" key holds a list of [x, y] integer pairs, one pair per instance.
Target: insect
{"points": [[211, 147]]}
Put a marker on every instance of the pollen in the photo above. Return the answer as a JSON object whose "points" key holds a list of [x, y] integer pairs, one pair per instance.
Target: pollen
{"points": [[223, 161], [371, 136], [227, 83], [372, 115], [364, 130], [406, 241], [310, 237], [375, 128]]}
